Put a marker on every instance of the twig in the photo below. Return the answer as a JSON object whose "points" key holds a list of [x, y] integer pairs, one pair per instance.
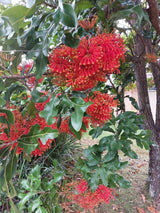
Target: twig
{"points": [[21, 76]]}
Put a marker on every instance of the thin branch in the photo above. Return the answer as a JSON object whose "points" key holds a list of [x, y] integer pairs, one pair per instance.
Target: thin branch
{"points": [[108, 77], [49, 5], [21, 76]]}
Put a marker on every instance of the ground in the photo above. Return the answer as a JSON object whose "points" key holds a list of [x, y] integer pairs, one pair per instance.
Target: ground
{"points": [[135, 199]]}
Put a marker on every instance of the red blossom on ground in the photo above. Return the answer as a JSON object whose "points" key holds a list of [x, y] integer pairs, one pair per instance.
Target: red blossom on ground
{"points": [[102, 107], [90, 62], [87, 199]]}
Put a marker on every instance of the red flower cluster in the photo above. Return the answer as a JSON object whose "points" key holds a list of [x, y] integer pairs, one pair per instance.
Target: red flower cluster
{"points": [[21, 127], [88, 23], [151, 58], [28, 66], [89, 200], [102, 107], [89, 63]]}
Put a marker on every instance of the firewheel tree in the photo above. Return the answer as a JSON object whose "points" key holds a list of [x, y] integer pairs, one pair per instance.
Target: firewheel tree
{"points": [[56, 58]]}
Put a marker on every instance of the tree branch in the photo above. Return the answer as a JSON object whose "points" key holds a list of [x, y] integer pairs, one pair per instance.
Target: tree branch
{"points": [[153, 13], [21, 76]]}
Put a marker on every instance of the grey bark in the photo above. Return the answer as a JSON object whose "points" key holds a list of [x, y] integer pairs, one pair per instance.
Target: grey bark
{"points": [[145, 109]]}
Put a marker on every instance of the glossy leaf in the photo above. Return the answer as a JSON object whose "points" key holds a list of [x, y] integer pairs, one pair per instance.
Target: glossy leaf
{"points": [[58, 177], [27, 146], [50, 110], [104, 176], [70, 41], [122, 182], [38, 97], [2, 102], [41, 65], [76, 118], [109, 156], [9, 114], [82, 5], [35, 134], [2, 85], [31, 109], [16, 16], [77, 134], [68, 16], [11, 89], [11, 165]]}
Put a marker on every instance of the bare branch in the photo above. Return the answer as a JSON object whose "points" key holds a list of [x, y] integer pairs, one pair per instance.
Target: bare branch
{"points": [[21, 76]]}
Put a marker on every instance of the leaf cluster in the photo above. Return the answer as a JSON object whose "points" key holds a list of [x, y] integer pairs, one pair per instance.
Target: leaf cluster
{"points": [[103, 160]]}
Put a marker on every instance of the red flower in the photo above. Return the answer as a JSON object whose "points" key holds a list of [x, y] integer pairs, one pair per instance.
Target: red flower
{"points": [[21, 127], [28, 66], [151, 57], [87, 23], [82, 186], [101, 109], [89, 63]]}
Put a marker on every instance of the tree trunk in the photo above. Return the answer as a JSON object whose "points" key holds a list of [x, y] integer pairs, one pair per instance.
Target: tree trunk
{"points": [[145, 109], [154, 170]]}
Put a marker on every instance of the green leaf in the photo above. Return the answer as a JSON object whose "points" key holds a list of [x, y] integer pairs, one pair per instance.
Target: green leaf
{"points": [[133, 102], [122, 182], [38, 97], [1, 178], [31, 109], [13, 88], [35, 134], [76, 118], [68, 16], [35, 204], [109, 156], [70, 41], [58, 177], [16, 16], [25, 198], [35, 172], [10, 116], [132, 154], [41, 65], [77, 134], [28, 147], [4, 152], [25, 184], [50, 110], [82, 5], [2, 85], [11, 165], [104, 176], [2, 102], [94, 180], [115, 144], [41, 209], [96, 132]]}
